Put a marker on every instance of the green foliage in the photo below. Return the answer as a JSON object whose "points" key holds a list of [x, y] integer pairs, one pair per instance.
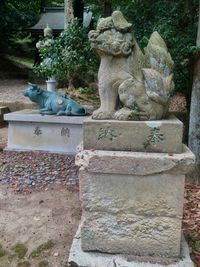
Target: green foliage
{"points": [[68, 57], [24, 264], [195, 49], [20, 250], [14, 17], [43, 264], [2, 251], [45, 246]]}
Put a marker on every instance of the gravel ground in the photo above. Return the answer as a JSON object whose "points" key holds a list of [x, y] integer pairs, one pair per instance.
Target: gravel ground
{"points": [[27, 171]]}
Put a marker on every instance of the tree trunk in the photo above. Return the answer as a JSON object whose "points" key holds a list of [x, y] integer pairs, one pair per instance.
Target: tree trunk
{"points": [[69, 11], [194, 125]]}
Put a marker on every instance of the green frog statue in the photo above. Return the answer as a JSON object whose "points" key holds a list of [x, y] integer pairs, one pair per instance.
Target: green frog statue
{"points": [[132, 85], [52, 103]]}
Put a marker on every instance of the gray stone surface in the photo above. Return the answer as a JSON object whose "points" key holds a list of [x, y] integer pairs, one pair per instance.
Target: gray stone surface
{"points": [[135, 163], [28, 130], [79, 258], [151, 136], [132, 202], [132, 214]]}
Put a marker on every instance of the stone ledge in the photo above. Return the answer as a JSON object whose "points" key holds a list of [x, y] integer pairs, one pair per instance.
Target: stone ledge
{"points": [[79, 258], [31, 115], [135, 163]]}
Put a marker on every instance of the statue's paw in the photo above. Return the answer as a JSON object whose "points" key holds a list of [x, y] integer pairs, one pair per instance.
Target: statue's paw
{"points": [[125, 114], [121, 116], [61, 113], [102, 115], [47, 112]]}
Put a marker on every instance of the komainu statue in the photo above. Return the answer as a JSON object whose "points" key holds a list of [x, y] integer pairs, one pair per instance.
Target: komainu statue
{"points": [[132, 85]]}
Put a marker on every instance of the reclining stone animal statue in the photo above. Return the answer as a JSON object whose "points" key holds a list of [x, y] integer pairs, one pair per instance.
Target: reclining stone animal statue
{"points": [[51, 103], [132, 85]]}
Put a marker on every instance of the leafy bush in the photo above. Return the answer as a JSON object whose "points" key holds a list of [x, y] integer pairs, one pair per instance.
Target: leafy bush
{"points": [[67, 57], [16, 16]]}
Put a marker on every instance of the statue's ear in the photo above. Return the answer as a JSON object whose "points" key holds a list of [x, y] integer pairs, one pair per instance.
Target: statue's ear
{"points": [[120, 23]]}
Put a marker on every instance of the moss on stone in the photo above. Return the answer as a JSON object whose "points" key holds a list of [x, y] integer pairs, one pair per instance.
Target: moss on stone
{"points": [[2, 251], [24, 264], [43, 264], [11, 257], [45, 246], [20, 250]]}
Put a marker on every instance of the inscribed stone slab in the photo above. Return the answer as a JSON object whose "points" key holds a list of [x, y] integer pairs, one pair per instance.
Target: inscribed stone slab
{"points": [[151, 136]]}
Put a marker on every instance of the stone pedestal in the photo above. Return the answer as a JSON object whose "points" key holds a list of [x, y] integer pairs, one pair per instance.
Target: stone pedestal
{"points": [[29, 130], [132, 202]]}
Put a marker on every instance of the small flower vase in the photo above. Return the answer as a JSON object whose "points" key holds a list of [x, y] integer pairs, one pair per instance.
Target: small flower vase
{"points": [[51, 84]]}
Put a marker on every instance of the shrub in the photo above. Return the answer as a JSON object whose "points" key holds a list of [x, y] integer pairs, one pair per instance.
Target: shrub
{"points": [[67, 57]]}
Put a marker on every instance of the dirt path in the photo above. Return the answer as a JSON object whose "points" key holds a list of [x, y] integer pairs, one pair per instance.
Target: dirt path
{"points": [[49, 217], [11, 94]]}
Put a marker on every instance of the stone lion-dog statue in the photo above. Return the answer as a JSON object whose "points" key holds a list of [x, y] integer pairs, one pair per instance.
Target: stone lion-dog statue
{"points": [[132, 85]]}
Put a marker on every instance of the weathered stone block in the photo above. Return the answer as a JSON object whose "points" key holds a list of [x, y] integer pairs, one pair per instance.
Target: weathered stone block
{"points": [[151, 136], [131, 208], [135, 163], [29, 130], [132, 214]]}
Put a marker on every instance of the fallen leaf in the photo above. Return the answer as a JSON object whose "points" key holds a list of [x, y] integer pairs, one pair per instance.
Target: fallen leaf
{"points": [[36, 218]]}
